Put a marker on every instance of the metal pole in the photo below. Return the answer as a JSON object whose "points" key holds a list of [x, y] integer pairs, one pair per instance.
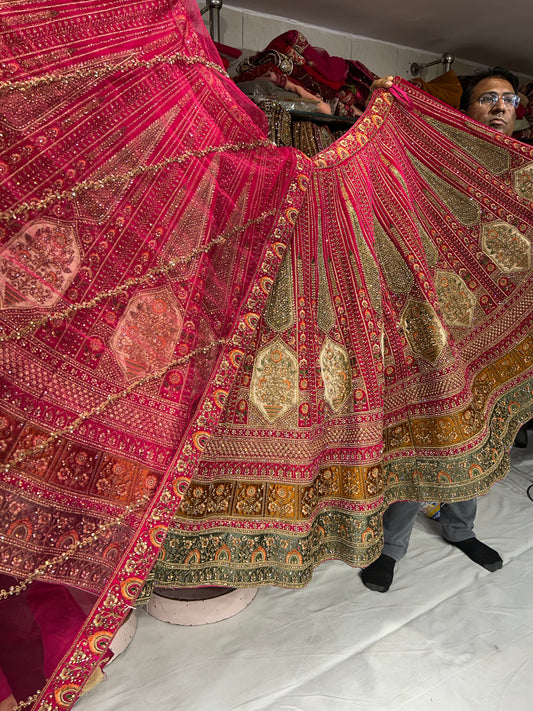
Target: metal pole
{"points": [[447, 60], [214, 7]]}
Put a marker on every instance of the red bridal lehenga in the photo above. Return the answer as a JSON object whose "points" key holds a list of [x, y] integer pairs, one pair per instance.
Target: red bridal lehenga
{"points": [[221, 360]]}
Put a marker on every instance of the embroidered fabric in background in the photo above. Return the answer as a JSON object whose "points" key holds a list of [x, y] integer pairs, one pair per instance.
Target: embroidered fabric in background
{"points": [[415, 235], [143, 210]]}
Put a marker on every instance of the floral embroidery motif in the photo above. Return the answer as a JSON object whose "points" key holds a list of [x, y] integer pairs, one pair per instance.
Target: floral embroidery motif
{"points": [[423, 330], [147, 333], [38, 265], [523, 181], [274, 386], [506, 247], [335, 369], [455, 299]]}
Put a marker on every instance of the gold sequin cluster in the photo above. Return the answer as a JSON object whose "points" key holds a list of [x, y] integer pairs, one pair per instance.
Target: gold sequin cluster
{"points": [[72, 192], [104, 70]]}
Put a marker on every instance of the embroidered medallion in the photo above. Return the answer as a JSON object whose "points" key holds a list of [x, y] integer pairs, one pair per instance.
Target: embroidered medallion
{"points": [[147, 333], [455, 299], [335, 370], [38, 264], [506, 247], [274, 385], [523, 181], [423, 330]]}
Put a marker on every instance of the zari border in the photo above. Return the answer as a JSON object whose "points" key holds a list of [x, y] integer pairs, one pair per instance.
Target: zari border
{"points": [[122, 590]]}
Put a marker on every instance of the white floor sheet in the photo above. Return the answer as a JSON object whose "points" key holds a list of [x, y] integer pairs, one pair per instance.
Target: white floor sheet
{"points": [[448, 636]]}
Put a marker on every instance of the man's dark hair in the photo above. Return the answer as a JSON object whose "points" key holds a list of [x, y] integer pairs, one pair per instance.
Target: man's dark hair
{"points": [[470, 82]]}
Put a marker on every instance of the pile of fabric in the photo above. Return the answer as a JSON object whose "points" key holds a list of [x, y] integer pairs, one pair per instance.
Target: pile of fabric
{"points": [[334, 85]]}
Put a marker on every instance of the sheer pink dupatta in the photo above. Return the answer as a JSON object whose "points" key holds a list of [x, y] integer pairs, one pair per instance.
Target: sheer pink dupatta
{"points": [[144, 216]]}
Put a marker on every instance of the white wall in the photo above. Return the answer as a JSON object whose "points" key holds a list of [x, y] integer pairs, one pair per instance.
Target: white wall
{"points": [[252, 31]]}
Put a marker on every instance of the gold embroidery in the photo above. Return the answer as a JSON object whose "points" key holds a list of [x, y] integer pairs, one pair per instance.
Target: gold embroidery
{"points": [[38, 264], [72, 192], [274, 385], [22, 454], [28, 702], [370, 268], [495, 159], [455, 299], [147, 333], [335, 371], [101, 71], [465, 210], [423, 329], [397, 274], [523, 181], [431, 251], [68, 552], [147, 278], [326, 313], [506, 247], [279, 311]]}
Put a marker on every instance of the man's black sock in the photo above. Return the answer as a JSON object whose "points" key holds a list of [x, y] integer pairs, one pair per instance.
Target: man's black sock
{"points": [[480, 553], [379, 574]]}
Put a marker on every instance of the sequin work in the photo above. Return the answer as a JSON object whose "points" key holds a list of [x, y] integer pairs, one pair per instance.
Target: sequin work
{"points": [[414, 349], [143, 212]]}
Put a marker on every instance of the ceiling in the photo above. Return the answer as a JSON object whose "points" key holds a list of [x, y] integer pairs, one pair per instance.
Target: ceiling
{"points": [[487, 32]]}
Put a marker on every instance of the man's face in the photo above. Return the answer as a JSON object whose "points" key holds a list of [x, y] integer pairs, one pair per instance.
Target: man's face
{"points": [[499, 116]]}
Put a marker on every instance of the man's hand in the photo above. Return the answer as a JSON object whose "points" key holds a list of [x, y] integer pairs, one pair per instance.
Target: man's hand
{"points": [[382, 83]]}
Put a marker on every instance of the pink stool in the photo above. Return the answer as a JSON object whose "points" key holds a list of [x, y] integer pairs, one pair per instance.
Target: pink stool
{"points": [[198, 606]]}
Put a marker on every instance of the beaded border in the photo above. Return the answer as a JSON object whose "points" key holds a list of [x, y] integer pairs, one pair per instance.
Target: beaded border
{"points": [[73, 426], [85, 72], [72, 192], [62, 557]]}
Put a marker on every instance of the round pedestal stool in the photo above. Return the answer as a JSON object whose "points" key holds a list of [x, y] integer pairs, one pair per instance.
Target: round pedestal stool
{"points": [[198, 606], [124, 635]]}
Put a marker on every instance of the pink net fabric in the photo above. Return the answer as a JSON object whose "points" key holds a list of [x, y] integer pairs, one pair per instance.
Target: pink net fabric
{"points": [[143, 210], [155, 329]]}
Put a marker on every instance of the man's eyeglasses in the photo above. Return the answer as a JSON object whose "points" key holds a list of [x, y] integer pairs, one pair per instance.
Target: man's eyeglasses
{"points": [[491, 98]]}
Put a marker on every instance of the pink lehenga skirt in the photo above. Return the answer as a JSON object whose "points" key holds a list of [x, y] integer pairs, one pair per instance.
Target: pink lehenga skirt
{"points": [[393, 359], [221, 360]]}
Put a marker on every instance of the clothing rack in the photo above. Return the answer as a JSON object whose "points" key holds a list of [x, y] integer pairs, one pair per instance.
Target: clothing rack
{"points": [[447, 60]]}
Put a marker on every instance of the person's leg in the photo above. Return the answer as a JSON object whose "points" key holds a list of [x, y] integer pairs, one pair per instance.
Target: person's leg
{"points": [[398, 522], [457, 522]]}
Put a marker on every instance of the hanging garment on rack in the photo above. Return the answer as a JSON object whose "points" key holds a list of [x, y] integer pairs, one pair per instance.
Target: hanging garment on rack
{"points": [[445, 87], [344, 83], [153, 282]]}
